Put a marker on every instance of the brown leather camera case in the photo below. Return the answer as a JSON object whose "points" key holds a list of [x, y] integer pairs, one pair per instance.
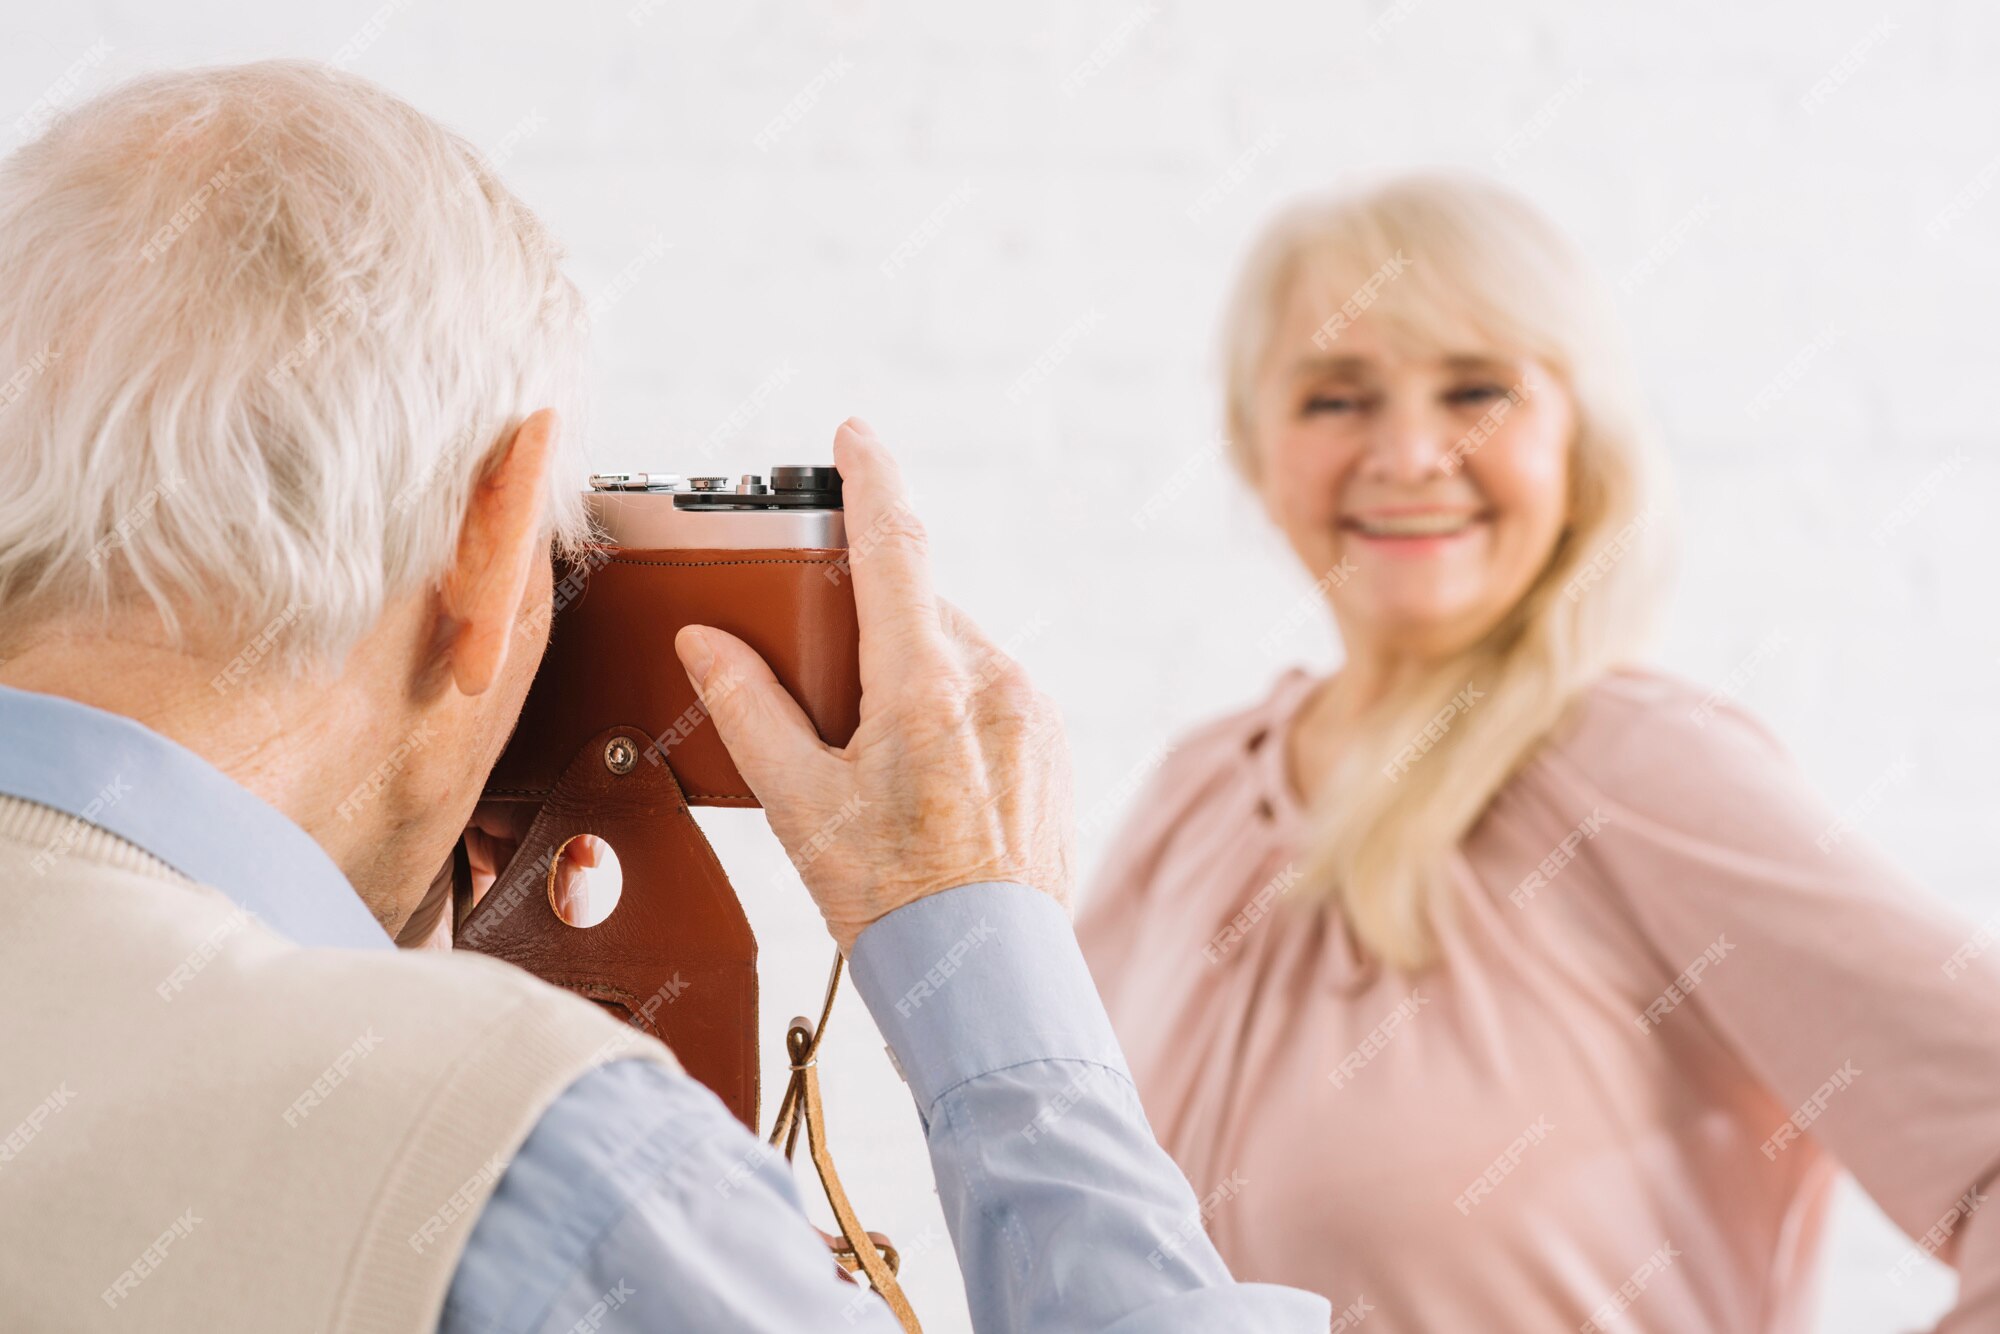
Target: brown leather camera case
{"points": [[612, 742]]}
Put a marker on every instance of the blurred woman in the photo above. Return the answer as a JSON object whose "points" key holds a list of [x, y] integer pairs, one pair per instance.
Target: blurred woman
{"points": [[1496, 982]]}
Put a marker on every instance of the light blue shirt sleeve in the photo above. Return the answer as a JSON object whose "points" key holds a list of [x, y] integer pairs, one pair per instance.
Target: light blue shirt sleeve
{"points": [[638, 1204]]}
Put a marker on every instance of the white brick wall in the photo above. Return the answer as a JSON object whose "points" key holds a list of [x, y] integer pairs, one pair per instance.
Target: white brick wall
{"points": [[1057, 148]]}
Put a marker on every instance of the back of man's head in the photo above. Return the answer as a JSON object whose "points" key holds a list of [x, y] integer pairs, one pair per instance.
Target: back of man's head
{"points": [[261, 327]]}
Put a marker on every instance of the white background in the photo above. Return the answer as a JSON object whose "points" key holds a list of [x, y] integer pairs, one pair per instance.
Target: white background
{"points": [[1060, 148]]}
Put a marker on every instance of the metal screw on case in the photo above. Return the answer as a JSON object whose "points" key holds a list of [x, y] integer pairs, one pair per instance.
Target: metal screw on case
{"points": [[620, 755]]}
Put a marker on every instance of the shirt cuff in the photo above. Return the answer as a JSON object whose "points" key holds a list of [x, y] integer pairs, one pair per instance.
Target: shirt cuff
{"points": [[977, 979]]}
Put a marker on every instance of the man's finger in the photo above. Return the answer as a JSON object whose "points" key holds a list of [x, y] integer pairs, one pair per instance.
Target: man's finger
{"points": [[983, 661], [570, 894], [964, 632], [891, 570], [763, 727], [585, 850], [488, 857]]}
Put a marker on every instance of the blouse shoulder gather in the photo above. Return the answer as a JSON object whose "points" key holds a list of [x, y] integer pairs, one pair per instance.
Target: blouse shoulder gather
{"points": [[1203, 775], [1212, 753]]}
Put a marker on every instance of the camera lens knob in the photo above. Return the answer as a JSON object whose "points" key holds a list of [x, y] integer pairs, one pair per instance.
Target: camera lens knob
{"points": [[795, 478]]}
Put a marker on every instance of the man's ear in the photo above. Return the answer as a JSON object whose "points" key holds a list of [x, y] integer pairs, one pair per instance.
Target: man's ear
{"points": [[497, 547]]}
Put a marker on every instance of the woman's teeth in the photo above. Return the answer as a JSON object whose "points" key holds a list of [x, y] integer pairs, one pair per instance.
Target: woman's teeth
{"points": [[1413, 525]]}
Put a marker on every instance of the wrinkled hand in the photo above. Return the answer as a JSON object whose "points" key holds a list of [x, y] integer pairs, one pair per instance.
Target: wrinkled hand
{"points": [[491, 840], [958, 772]]}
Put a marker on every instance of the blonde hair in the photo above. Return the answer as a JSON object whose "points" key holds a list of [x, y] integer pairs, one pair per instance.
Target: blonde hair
{"points": [[1460, 263], [265, 327]]}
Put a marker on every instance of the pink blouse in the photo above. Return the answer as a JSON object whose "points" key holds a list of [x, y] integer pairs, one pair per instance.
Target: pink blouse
{"points": [[1676, 994]]}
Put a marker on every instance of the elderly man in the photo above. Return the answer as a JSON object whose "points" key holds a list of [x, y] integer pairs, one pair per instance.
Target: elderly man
{"points": [[281, 471]]}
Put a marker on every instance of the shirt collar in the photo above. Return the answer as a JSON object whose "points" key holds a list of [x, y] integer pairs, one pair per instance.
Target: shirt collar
{"points": [[112, 772]]}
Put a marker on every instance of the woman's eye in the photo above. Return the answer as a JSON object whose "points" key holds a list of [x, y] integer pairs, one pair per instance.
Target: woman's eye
{"points": [[1332, 403], [1475, 394]]}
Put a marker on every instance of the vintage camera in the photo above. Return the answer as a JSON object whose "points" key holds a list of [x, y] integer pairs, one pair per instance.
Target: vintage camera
{"points": [[612, 742], [799, 508], [766, 561]]}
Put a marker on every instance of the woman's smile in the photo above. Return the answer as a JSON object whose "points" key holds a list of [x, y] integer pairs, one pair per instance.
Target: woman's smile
{"points": [[1413, 532]]}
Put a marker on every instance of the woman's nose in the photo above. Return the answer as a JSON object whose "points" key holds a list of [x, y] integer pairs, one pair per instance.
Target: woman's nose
{"points": [[1408, 444]]}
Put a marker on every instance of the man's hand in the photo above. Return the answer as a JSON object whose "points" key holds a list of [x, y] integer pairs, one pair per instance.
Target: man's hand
{"points": [[958, 772], [491, 841]]}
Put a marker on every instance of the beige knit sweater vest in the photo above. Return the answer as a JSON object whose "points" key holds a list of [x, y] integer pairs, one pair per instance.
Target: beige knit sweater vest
{"points": [[205, 1127]]}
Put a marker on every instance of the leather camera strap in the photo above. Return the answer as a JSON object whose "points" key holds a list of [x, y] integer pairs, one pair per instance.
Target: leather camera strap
{"points": [[855, 1248], [675, 958]]}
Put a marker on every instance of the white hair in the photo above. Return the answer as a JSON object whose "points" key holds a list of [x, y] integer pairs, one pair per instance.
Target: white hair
{"points": [[262, 330]]}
